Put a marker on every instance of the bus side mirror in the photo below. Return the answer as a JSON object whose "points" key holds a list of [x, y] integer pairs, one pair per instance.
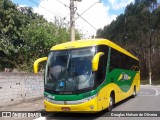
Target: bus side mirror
{"points": [[95, 61], [35, 66]]}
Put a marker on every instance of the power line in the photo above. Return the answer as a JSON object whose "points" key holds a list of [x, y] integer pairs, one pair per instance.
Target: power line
{"points": [[86, 21], [80, 15], [47, 10], [67, 15], [44, 8], [63, 4], [88, 8]]}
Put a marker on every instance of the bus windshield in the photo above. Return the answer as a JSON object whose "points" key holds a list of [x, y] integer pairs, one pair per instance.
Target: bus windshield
{"points": [[70, 70]]}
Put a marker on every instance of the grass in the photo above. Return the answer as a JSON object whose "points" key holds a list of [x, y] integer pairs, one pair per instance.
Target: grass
{"points": [[154, 82]]}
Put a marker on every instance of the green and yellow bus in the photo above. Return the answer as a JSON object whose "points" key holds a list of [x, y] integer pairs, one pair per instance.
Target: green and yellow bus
{"points": [[88, 76]]}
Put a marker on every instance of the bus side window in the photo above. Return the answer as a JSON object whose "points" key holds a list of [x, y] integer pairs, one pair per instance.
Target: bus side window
{"points": [[122, 61], [114, 60]]}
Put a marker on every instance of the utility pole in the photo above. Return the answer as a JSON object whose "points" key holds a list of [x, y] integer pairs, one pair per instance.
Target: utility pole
{"points": [[72, 21], [150, 55]]}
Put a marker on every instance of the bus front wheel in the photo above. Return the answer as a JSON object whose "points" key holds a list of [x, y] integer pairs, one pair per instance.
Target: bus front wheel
{"points": [[111, 103], [134, 92]]}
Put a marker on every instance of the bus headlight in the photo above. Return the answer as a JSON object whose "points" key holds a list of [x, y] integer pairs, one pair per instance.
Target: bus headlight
{"points": [[89, 98], [49, 100]]}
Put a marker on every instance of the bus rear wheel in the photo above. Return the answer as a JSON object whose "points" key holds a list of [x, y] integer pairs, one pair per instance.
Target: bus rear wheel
{"points": [[111, 103], [134, 92]]}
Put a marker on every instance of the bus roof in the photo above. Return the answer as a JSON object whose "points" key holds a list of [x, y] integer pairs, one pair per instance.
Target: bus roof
{"points": [[90, 42]]}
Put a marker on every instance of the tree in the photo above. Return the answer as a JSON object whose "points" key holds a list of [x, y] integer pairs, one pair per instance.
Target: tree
{"points": [[137, 30], [26, 36]]}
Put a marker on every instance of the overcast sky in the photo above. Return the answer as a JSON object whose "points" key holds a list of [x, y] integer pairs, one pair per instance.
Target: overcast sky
{"points": [[99, 15]]}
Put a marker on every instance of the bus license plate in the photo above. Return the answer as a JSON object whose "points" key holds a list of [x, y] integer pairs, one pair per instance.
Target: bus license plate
{"points": [[65, 109]]}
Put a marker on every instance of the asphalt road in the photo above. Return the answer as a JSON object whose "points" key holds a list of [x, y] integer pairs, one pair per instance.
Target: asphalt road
{"points": [[148, 99]]}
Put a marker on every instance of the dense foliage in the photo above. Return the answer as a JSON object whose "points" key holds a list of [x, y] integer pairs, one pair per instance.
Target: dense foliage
{"points": [[26, 36], [138, 30]]}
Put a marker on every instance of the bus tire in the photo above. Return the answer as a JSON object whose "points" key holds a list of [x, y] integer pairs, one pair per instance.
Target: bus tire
{"points": [[134, 92], [111, 103]]}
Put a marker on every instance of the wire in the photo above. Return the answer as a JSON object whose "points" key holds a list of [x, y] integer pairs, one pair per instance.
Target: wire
{"points": [[48, 11], [81, 13], [86, 21], [87, 9], [67, 15], [45, 8], [63, 4]]}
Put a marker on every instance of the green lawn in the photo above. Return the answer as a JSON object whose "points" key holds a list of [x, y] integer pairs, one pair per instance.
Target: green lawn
{"points": [[154, 82]]}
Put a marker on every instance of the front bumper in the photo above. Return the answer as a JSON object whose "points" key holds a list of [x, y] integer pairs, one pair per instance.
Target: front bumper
{"points": [[89, 106]]}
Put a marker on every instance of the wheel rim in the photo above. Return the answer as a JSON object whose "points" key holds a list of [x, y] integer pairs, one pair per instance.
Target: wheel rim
{"points": [[134, 93], [111, 101]]}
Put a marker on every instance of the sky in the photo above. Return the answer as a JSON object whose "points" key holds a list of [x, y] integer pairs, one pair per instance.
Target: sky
{"points": [[97, 16]]}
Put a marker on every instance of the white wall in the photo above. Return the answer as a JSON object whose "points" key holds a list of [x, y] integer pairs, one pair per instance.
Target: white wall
{"points": [[19, 87]]}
